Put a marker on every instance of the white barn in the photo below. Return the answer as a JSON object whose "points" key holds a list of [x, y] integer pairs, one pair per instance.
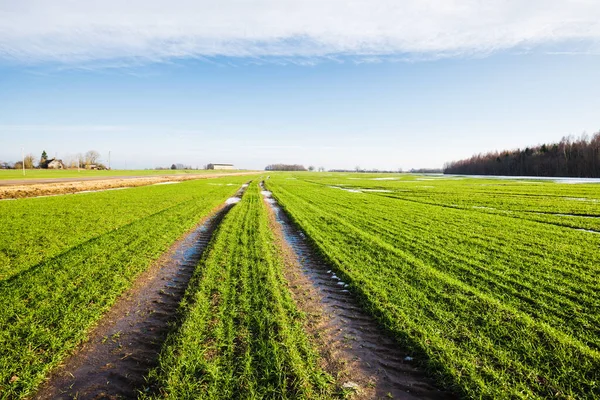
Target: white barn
{"points": [[219, 166]]}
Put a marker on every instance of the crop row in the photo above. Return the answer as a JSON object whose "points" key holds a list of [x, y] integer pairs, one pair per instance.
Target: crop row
{"points": [[70, 257], [499, 306], [239, 333], [576, 206]]}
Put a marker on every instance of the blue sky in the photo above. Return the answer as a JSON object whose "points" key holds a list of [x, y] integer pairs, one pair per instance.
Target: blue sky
{"points": [[355, 91]]}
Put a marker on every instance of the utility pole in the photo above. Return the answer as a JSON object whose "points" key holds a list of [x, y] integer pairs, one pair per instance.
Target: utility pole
{"points": [[109, 159], [23, 159]]}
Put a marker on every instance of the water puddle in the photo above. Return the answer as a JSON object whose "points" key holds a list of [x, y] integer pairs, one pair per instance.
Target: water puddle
{"points": [[377, 355], [377, 190], [572, 215], [346, 189], [587, 230], [582, 199], [232, 200], [128, 339], [483, 208]]}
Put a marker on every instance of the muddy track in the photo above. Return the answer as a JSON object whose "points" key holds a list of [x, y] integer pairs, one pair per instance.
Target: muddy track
{"points": [[365, 358], [125, 345]]}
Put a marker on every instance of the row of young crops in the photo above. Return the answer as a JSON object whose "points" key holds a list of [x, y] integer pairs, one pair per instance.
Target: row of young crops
{"points": [[240, 335], [493, 284], [64, 261]]}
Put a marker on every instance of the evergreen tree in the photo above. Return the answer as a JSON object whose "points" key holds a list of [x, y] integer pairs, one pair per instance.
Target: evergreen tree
{"points": [[44, 160]]}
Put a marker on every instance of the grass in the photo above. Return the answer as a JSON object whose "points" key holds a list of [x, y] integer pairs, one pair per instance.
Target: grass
{"points": [[494, 290], [492, 284], [240, 334], [13, 174], [66, 259]]}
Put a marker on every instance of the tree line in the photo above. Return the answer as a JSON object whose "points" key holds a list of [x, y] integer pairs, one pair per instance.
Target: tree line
{"points": [[29, 161], [571, 157], [285, 167]]}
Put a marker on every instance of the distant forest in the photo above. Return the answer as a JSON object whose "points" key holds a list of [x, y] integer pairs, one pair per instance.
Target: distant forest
{"points": [[570, 158], [285, 167]]}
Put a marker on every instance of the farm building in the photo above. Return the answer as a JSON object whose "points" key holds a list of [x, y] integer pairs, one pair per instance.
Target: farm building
{"points": [[219, 166], [55, 164]]}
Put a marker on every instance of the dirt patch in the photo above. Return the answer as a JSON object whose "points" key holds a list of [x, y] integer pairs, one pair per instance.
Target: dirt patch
{"points": [[11, 189], [364, 360], [125, 344]]}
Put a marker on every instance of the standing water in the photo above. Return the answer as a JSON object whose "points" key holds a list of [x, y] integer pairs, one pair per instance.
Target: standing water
{"points": [[125, 345], [361, 340]]}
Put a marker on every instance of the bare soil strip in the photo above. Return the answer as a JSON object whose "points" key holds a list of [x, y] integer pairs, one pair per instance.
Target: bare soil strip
{"points": [[363, 358], [16, 189], [126, 343]]}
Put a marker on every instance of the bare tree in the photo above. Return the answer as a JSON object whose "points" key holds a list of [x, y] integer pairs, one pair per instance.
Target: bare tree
{"points": [[80, 160], [311, 168], [91, 157], [569, 157], [285, 167], [29, 160], [70, 161]]}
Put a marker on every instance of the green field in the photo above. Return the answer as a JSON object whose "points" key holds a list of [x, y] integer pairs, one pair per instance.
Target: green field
{"points": [[17, 174], [64, 260], [241, 335], [492, 285]]}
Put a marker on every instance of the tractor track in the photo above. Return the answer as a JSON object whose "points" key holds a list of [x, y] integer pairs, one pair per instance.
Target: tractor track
{"points": [[126, 343]]}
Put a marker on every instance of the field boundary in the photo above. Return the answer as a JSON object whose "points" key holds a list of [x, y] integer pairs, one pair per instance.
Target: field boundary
{"points": [[56, 187]]}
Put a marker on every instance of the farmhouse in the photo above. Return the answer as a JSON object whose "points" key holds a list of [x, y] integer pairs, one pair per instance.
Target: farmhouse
{"points": [[219, 166], [55, 164]]}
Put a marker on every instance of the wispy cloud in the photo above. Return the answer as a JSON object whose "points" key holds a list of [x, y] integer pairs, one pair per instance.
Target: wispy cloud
{"points": [[289, 31], [64, 128]]}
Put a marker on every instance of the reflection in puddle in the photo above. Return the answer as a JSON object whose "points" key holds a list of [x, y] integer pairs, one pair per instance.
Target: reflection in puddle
{"points": [[140, 322]]}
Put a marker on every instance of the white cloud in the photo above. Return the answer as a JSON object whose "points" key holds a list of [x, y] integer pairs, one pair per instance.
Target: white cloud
{"points": [[79, 31], [63, 128]]}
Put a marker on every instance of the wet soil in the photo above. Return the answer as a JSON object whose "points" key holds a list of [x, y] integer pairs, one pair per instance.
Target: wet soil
{"points": [[126, 343], [362, 357]]}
